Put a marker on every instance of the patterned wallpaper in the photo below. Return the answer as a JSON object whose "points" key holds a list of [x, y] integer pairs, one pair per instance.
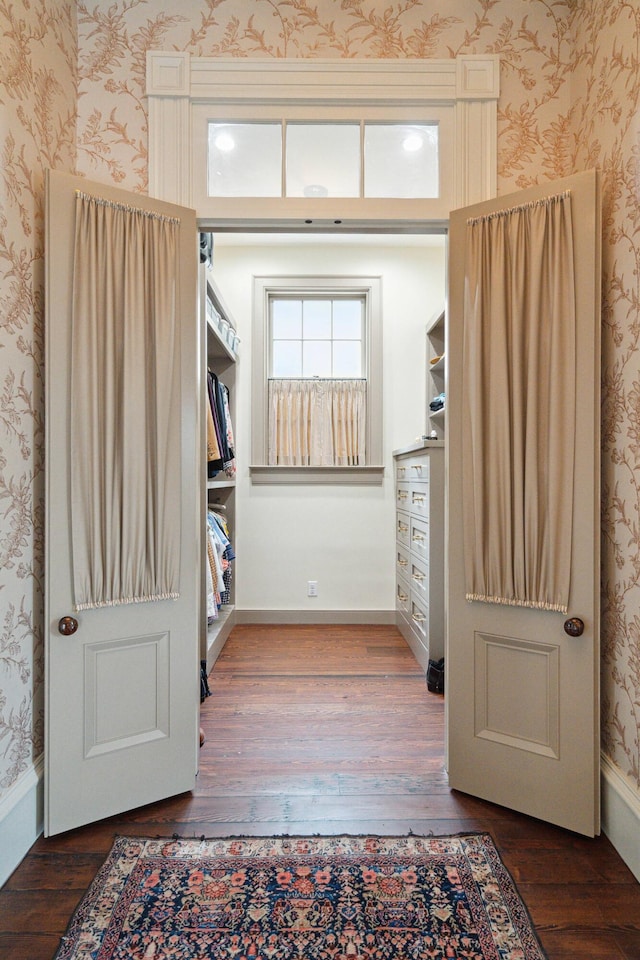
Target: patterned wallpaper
{"points": [[38, 64], [570, 85]]}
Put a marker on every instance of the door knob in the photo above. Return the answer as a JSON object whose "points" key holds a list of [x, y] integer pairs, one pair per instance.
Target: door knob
{"points": [[574, 627], [67, 626]]}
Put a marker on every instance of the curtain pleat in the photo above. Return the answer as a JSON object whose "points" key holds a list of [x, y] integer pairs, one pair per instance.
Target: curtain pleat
{"points": [[125, 406], [519, 395], [317, 423]]}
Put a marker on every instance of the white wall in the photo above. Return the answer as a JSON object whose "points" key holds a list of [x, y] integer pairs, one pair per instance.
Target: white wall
{"points": [[341, 536]]}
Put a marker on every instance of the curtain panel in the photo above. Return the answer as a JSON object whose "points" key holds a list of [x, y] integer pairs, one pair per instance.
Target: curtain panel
{"points": [[317, 423], [519, 395], [125, 406]]}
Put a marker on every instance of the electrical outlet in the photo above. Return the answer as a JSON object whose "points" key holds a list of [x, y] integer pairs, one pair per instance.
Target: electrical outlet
{"points": [[312, 588]]}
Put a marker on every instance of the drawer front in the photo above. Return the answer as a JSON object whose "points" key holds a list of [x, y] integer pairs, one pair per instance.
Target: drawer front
{"points": [[419, 538], [419, 499], [403, 528], [419, 579], [419, 468], [419, 621], [402, 561], [403, 596], [402, 471], [403, 495]]}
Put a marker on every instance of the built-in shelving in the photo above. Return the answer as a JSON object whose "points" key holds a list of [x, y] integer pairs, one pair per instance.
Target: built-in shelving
{"points": [[436, 369], [220, 354]]}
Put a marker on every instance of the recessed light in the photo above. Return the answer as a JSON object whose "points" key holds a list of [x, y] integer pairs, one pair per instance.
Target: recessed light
{"points": [[412, 143], [315, 190], [224, 142]]}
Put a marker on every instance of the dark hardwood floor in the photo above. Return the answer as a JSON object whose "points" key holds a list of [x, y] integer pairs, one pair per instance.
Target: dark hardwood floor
{"points": [[331, 730]]}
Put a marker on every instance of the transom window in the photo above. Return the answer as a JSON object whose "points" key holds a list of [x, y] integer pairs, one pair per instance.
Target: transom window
{"points": [[317, 337], [317, 160]]}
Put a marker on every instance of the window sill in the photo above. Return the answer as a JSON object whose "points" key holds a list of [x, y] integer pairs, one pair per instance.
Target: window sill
{"points": [[368, 475]]}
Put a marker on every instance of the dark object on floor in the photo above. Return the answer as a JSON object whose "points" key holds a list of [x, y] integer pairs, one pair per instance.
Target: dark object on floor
{"points": [[435, 676], [204, 682]]}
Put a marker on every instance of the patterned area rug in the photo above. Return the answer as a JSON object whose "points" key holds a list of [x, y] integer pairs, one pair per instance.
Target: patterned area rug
{"points": [[319, 898]]}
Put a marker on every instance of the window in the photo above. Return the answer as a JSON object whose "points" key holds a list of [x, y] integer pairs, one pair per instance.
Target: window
{"points": [[317, 336], [361, 160], [345, 141], [317, 387]]}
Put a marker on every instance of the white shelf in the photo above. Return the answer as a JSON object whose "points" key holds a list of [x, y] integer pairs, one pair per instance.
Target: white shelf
{"points": [[436, 371]]}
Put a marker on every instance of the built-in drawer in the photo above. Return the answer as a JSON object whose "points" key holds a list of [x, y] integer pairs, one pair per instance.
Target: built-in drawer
{"points": [[403, 596], [419, 498], [419, 621], [403, 495], [419, 580], [418, 468], [403, 528], [402, 470], [402, 561], [419, 537]]}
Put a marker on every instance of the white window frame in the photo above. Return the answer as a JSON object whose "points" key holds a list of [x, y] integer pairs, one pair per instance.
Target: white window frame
{"points": [[184, 92], [331, 295], [266, 287]]}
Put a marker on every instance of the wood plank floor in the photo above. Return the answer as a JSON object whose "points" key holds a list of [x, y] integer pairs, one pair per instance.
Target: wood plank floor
{"points": [[325, 730]]}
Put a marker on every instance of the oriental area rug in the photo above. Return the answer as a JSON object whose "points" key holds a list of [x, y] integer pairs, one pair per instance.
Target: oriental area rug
{"points": [[292, 898]]}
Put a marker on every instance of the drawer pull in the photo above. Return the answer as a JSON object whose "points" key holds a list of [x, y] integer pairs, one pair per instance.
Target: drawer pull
{"points": [[402, 470], [402, 527], [403, 563], [417, 467], [418, 498], [402, 494], [418, 617], [417, 538], [419, 577], [403, 597]]}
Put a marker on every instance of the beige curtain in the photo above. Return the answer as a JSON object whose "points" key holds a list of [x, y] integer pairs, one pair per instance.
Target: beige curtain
{"points": [[519, 388], [317, 423], [125, 408]]}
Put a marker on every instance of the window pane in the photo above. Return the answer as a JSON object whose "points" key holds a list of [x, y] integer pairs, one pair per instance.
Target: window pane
{"points": [[233, 169], [317, 320], [316, 360], [401, 160], [347, 358], [347, 319], [286, 358], [323, 160], [286, 319]]}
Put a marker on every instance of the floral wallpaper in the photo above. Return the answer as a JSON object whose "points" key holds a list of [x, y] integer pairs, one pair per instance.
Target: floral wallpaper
{"points": [[38, 62], [569, 101]]}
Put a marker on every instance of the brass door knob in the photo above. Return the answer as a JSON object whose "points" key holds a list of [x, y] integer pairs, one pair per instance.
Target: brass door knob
{"points": [[574, 627], [67, 626]]}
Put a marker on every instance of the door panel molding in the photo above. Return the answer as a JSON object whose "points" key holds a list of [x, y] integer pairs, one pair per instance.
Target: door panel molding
{"points": [[517, 688]]}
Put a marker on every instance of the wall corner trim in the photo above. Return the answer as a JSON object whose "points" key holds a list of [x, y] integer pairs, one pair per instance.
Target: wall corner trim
{"points": [[21, 818], [621, 814]]}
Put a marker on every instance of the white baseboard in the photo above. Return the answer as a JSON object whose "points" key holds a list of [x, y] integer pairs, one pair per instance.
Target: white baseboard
{"points": [[21, 819], [621, 814], [316, 616]]}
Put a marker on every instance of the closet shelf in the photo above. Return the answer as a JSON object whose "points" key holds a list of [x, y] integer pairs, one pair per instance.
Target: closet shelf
{"points": [[216, 484]]}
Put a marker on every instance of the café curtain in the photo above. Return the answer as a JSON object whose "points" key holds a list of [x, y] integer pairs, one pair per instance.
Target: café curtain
{"points": [[317, 423], [518, 405], [125, 406]]}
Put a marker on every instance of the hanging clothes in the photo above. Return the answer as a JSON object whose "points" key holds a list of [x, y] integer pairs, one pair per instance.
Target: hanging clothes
{"points": [[220, 554], [220, 441]]}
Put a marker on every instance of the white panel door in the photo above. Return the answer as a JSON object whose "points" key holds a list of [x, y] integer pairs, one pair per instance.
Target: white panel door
{"points": [[122, 691], [522, 694]]}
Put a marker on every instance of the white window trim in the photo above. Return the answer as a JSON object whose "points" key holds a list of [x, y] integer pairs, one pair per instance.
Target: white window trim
{"points": [[264, 288], [182, 89]]}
